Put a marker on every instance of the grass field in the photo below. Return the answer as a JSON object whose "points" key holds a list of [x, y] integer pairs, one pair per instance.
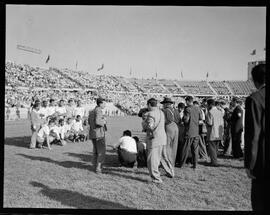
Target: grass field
{"points": [[64, 178]]}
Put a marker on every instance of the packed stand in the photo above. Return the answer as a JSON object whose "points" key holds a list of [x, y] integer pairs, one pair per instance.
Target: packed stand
{"points": [[241, 87], [196, 87], [171, 86], [149, 86], [220, 87], [27, 76]]}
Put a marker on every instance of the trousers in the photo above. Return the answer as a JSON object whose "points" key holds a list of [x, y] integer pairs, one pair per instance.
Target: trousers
{"points": [[191, 143], [202, 148], [236, 145], [99, 150], [213, 149], [155, 157], [227, 143], [126, 158], [33, 139], [172, 141]]}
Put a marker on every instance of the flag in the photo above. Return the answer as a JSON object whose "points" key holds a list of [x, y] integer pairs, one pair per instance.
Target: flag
{"points": [[253, 52], [130, 71], [207, 75], [156, 74], [76, 64], [102, 66], [48, 58], [181, 74]]}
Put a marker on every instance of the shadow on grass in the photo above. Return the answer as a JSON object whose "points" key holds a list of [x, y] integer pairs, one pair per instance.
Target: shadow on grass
{"points": [[220, 165], [75, 199], [111, 165], [18, 141], [66, 164], [110, 172], [111, 160], [82, 157]]}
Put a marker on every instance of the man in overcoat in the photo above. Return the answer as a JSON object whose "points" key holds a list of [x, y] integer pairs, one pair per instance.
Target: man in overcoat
{"points": [[255, 148]]}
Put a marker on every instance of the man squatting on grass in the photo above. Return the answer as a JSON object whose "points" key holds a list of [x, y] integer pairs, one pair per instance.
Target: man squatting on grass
{"points": [[127, 150]]}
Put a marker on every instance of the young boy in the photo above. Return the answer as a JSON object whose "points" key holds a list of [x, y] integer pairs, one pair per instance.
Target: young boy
{"points": [[77, 128], [62, 131], [69, 134], [44, 135]]}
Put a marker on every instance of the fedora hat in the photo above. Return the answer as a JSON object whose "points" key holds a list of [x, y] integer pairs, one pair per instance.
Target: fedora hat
{"points": [[166, 100]]}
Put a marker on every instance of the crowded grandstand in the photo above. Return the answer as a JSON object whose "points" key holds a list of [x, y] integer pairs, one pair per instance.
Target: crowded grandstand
{"points": [[25, 83]]}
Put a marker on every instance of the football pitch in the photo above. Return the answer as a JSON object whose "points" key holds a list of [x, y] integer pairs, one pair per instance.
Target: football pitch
{"points": [[64, 178]]}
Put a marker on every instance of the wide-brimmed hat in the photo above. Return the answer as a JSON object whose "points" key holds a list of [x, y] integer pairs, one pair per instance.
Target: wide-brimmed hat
{"points": [[100, 100], [235, 99], [166, 100]]}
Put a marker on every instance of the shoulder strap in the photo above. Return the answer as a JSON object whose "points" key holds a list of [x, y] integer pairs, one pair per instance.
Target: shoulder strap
{"points": [[158, 121]]}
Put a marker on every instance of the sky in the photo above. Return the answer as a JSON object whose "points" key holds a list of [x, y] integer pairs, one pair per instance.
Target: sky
{"points": [[141, 40]]}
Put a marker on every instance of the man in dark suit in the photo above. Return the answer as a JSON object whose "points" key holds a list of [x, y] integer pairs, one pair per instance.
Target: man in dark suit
{"points": [[97, 129], [236, 128], [255, 152], [192, 116]]}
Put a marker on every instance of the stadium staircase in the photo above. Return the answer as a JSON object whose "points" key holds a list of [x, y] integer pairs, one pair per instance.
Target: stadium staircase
{"points": [[137, 86], [185, 92], [227, 85], [209, 85], [122, 85], [68, 77], [160, 84]]}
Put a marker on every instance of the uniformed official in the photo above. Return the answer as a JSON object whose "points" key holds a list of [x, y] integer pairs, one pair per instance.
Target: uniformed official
{"points": [[236, 128], [97, 129], [181, 134]]}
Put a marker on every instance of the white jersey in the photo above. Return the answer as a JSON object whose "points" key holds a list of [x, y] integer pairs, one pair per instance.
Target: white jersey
{"points": [[51, 110], [78, 111], [128, 143], [61, 110], [44, 112], [77, 126], [44, 131]]}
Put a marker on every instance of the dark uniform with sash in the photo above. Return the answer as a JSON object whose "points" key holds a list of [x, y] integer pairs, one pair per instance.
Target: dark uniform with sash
{"points": [[236, 131]]}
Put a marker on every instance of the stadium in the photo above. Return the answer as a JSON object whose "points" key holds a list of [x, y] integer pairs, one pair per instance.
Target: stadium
{"points": [[24, 79], [39, 68]]}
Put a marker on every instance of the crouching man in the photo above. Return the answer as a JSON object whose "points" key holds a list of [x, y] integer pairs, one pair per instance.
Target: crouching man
{"points": [[44, 135], [127, 150]]}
